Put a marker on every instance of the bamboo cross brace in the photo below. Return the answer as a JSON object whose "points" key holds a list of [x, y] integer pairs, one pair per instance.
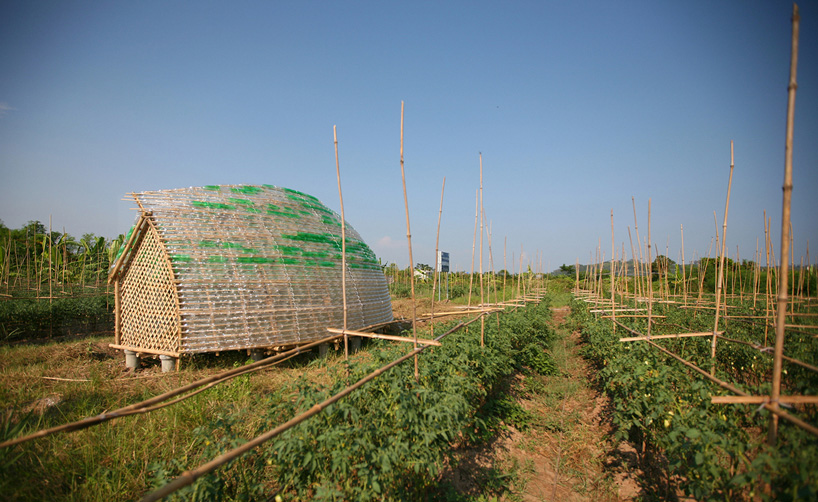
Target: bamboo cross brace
{"points": [[653, 337], [631, 316], [383, 337], [763, 399]]}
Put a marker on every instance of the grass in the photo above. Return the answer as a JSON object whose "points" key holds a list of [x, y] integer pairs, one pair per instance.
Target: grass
{"points": [[110, 461]]}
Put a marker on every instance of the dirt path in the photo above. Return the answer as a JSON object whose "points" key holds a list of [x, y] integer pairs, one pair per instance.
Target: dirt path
{"points": [[566, 453]]}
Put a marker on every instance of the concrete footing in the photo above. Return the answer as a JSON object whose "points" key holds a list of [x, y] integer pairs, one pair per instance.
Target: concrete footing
{"points": [[257, 354], [354, 343], [323, 350], [168, 363], [131, 360]]}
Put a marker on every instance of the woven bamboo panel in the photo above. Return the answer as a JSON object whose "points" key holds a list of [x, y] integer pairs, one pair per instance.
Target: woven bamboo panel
{"points": [[259, 266], [149, 317]]}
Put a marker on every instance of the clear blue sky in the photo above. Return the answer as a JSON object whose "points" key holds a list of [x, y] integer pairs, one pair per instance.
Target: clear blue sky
{"points": [[576, 107]]}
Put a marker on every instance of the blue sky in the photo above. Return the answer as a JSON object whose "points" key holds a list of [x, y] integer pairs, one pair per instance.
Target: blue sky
{"points": [[575, 106]]}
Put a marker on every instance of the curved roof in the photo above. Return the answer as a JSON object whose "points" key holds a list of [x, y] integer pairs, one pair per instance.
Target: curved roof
{"points": [[255, 266]]}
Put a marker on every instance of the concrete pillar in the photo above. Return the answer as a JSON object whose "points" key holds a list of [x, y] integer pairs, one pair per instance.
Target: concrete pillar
{"points": [[354, 343], [257, 354], [168, 363], [323, 350], [131, 360]]}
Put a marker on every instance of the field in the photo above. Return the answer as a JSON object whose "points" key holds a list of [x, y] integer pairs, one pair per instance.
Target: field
{"points": [[552, 406]]}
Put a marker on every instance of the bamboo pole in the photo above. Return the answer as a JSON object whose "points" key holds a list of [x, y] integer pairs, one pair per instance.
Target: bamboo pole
{"points": [[380, 336], [576, 272], [437, 257], [409, 240], [785, 227], [720, 278], [684, 276], [613, 252], [482, 219], [505, 266], [493, 278], [763, 399], [474, 241], [768, 277], [650, 276], [343, 247], [756, 275], [654, 337], [641, 290]]}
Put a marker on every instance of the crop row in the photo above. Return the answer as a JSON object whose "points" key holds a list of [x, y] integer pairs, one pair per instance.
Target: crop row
{"points": [[390, 439], [712, 451]]}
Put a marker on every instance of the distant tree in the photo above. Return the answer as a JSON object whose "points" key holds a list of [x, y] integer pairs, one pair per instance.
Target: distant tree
{"points": [[568, 269], [423, 267]]}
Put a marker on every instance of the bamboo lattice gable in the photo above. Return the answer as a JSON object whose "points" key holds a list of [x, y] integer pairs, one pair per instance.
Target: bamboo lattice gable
{"points": [[240, 266]]}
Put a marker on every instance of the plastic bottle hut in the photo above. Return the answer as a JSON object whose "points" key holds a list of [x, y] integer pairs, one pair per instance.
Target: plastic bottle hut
{"points": [[234, 267]]}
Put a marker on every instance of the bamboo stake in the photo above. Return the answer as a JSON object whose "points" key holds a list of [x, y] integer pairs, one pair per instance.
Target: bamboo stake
{"points": [[493, 278], [785, 227], [576, 272], [649, 276], [755, 275], [639, 262], [409, 240], [613, 297], [50, 253], [768, 277], [343, 247], [437, 265], [684, 276], [505, 266], [720, 278], [482, 218], [473, 242], [380, 336]]}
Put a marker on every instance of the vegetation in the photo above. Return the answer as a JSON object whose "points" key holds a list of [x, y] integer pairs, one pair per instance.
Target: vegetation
{"points": [[709, 451], [391, 439]]}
